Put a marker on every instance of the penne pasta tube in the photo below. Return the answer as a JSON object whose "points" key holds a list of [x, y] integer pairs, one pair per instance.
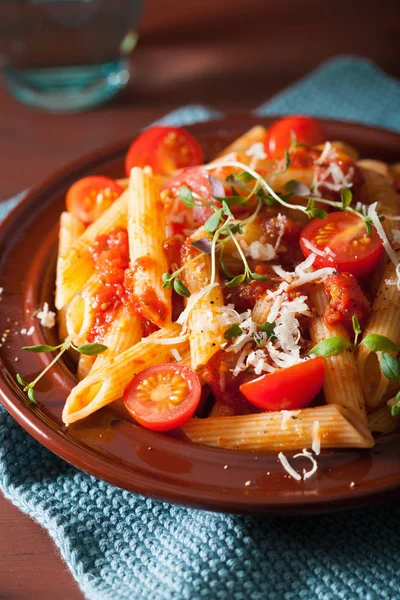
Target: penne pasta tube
{"points": [[70, 230], [81, 311], [341, 148], [273, 431], [85, 365], [375, 165], [342, 383], [109, 382], [125, 331], [384, 320], [261, 310], [381, 420], [146, 231], [77, 266], [243, 143]]}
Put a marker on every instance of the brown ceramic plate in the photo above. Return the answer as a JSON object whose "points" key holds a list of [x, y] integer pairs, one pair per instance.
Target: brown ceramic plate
{"points": [[109, 445]]}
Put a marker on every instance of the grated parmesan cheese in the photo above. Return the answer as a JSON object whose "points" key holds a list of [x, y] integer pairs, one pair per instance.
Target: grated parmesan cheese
{"points": [[257, 250], [316, 438], [292, 472], [339, 179], [326, 253], [286, 416], [192, 301], [256, 151], [396, 236], [46, 317], [381, 232], [176, 354]]}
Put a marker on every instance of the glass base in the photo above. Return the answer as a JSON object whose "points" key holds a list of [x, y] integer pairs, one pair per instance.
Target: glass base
{"points": [[67, 89]]}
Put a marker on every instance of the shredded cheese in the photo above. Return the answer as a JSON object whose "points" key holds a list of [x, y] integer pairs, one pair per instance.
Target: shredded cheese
{"points": [[292, 472], [46, 317], [192, 301], [256, 151], [176, 354], [257, 250], [288, 467], [287, 415], [381, 232], [316, 438]]}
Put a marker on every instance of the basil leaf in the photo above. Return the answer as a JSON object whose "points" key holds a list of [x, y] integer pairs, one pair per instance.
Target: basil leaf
{"points": [[91, 349], [31, 396], [330, 347], [20, 380], [389, 366], [167, 280], [236, 280], [379, 343], [258, 277], [212, 222], [347, 197], [181, 289], [294, 187], [244, 176], [40, 348], [186, 196], [204, 245], [233, 331]]}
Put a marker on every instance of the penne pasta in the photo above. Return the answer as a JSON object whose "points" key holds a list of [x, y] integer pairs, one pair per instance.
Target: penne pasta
{"points": [[125, 331], [342, 383], [381, 420], [146, 231], [243, 143], [85, 365], [77, 266], [273, 431], [107, 384], [81, 311]]}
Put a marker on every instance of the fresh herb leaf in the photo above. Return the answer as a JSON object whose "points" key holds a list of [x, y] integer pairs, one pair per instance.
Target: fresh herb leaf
{"points": [[396, 407], [259, 277], [236, 280], [91, 349], [317, 213], [297, 188], [204, 245], [20, 380], [225, 270], [186, 196], [233, 331], [236, 228], [41, 348], [286, 164], [167, 280], [330, 347], [181, 289], [268, 328], [232, 200], [225, 209], [389, 366], [356, 328], [368, 225], [379, 343], [31, 396], [244, 176], [346, 197], [212, 222], [217, 187]]}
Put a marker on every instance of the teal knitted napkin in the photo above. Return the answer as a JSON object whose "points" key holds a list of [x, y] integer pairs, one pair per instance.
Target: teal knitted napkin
{"points": [[120, 545]]}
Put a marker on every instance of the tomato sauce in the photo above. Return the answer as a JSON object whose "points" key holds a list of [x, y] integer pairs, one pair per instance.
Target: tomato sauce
{"points": [[346, 299], [147, 304]]}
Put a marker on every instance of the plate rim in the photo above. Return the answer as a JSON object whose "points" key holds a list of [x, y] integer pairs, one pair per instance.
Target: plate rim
{"points": [[115, 473]]}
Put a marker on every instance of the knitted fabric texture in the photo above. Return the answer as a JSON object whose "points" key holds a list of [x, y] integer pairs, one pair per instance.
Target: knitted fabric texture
{"points": [[120, 545]]}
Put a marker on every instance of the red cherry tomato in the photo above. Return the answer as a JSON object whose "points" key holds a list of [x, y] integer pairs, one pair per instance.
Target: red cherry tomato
{"points": [[89, 197], [279, 135], [163, 397], [351, 249], [287, 389], [164, 149], [179, 216]]}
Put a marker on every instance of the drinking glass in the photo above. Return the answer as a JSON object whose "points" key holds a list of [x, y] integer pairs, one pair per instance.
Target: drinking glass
{"points": [[66, 55]]}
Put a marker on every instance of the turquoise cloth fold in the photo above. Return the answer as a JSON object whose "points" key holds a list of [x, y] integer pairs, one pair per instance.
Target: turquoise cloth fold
{"points": [[120, 545]]}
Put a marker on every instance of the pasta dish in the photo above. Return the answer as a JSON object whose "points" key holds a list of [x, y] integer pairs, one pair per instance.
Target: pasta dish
{"points": [[251, 301]]}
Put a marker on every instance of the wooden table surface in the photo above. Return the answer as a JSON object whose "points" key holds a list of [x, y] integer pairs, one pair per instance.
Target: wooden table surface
{"points": [[230, 54]]}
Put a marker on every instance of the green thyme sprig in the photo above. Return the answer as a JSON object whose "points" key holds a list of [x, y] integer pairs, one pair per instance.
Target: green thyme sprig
{"points": [[87, 349]]}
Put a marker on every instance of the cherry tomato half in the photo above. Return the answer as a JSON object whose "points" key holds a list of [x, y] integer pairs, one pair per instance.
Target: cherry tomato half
{"points": [[350, 248], [287, 389], [89, 197], [164, 149], [163, 397], [279, 135]]}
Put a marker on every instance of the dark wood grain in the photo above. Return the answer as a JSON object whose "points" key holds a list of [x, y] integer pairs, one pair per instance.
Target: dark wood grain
{"points": [[231, 54]]}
